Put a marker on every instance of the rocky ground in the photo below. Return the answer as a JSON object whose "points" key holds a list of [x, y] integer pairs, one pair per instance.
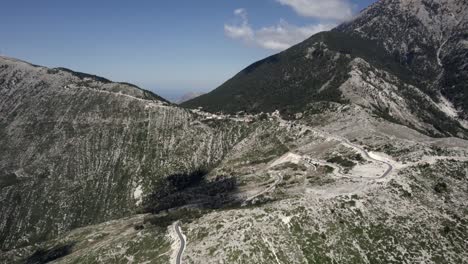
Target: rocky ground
{"points": [[309, 195]]}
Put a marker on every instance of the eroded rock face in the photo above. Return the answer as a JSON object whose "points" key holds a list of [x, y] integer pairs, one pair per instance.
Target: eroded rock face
{"points": [[76, 149], [428, 36]]}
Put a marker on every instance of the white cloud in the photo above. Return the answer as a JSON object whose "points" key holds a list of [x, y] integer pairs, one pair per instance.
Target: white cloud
{"points": [[242, 30], [241, 12], [322, 9], [284, 35], [278, 37]]}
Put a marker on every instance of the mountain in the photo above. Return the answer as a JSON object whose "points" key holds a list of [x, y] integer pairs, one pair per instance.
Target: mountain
{"points": [[364, 163], [78, 149], [404, 60]]}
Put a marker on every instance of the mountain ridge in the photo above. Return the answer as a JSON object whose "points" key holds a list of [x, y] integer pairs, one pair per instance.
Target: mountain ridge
{"points": [[145, 94], [78, 148]]}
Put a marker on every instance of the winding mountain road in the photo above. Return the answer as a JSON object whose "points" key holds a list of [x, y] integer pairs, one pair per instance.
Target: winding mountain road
{"points": [[363, 152], [367, 156], [313, 162], [389, 169], [182, 243], [343, 141]]}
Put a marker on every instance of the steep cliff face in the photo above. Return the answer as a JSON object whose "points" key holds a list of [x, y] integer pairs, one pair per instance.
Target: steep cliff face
{"points": [[78, 149], [454, 57], [419, 45]]}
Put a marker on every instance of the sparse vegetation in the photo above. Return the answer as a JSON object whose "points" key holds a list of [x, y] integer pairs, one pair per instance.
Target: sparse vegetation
{"points": [[441, 187], [342, 161], [190, 189]]}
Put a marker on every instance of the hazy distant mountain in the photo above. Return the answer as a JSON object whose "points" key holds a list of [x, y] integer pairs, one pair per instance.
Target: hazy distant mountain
{"points": [[188, 96]]}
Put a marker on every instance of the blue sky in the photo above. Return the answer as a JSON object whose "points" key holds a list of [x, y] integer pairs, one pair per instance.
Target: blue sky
{"points": [[170, 47]]}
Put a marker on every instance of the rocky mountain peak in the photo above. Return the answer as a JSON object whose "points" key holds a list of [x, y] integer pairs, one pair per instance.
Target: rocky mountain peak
{"points": [[401, 23], [427, 36]]}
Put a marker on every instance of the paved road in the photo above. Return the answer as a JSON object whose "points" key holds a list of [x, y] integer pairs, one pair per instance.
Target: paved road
{"points": [[182, 243], [363, 152], [366, 154]]}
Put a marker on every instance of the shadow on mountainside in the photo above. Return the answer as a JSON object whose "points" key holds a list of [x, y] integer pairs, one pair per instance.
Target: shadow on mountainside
{"points": [[191, 189], [42, 256]]}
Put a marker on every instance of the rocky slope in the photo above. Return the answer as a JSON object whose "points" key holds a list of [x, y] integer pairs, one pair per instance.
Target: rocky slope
{"points": [[78, 150], [427, 36], [416, 48], [308, 196]]}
